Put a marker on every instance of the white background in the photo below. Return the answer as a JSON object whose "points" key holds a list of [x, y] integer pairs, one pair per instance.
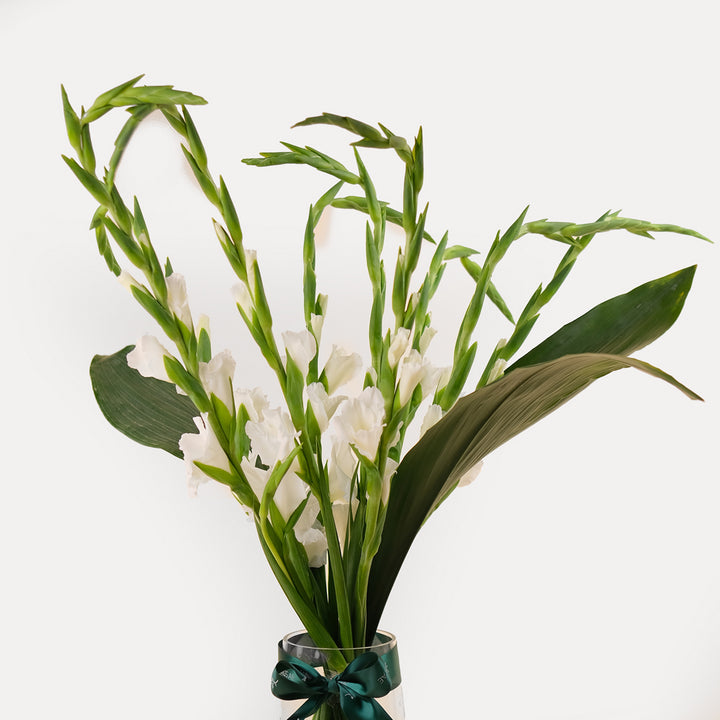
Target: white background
{"points": [[579, 576]]}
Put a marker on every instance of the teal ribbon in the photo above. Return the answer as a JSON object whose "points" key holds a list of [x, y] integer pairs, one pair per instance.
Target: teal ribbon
{"points": [[356, 687]]}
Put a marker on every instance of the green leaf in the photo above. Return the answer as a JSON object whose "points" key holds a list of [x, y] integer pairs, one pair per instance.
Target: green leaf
{"points": [[156, 95], [458, 251], [147, 410], [620, 325], [479, 423], [72, 121], [91, 183], [106, 97], [355, 126]]}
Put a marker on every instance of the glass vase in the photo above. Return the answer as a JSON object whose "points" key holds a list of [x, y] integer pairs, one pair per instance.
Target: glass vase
{"points": [[298, 645]]}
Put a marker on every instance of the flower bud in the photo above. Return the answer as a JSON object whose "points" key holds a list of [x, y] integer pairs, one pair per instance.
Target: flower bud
{"points": [[301, 347], [433, 414], [216, 377], [341, 368], [242, 297], [177, 298], [398, 346]]}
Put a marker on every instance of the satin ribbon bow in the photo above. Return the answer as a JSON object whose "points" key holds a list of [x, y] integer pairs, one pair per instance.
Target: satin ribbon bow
{"points": [[356, 687]]}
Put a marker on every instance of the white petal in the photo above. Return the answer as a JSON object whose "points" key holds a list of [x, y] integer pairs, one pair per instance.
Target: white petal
{"points": [[317, 322], [470, 475], [498, 369], [315, 543], [410, 374], [243, 298], [177, 298], [250, 263], [216, 377], [256, 477], [272, 437], [290, 493], [128, 281], [428, 334], [341, 515], [341, 368], [398, 346], [390, 468], [254, 401], [203, 447], [323, 406], [359, 421], [341, 467], [148, 358], [301, 347], [203, 323], [309, 514], [433, 414]]}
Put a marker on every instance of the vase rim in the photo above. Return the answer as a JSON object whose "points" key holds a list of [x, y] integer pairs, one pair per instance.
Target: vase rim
{"points": [[387, 641]]}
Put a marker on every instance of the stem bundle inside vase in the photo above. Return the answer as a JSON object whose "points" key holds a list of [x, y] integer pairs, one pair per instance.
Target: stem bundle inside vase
{"points": [[335, 495]]}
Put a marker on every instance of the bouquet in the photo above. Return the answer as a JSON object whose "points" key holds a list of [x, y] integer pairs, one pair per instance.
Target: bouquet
{"points": [[335, 496]]}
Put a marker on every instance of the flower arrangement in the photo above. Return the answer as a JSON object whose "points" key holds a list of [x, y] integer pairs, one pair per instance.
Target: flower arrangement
{"points": [[335, 497]]}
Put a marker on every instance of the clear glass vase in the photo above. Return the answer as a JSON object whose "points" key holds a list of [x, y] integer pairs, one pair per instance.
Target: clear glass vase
{"points": [[298, 645]]}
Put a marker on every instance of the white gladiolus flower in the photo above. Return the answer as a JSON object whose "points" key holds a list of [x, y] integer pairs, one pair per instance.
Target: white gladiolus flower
{"points": [[177, 298], [434, 378], [148, 358], [273, 437], [315, 543], [341, 516], [309, 514], [316, 323], [242, 297], [396, 437], [413, 370], [128, 281], [250, 263], [470, 475], [413, 300], [255, 402], [323, 406], [340, 471], [203, 447], [444, 378], [398, 346], [433, 414], [497, 370], [291, 491], [311, 534], [216, 377], [390, 467], [203, 323], [340, 368], [428, 334], [359, 421], [301, 347], [256, 477]]}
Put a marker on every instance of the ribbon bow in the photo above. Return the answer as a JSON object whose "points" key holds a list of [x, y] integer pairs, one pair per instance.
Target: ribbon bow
{"points": [[356, 687]]}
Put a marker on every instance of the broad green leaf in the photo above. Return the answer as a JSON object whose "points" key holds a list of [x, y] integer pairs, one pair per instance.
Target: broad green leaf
{"points": [[477, 424], [147, 410], [620, 325]]}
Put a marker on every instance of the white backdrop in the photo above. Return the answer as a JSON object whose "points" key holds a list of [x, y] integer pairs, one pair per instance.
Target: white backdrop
{"points": [[579, 576]]}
